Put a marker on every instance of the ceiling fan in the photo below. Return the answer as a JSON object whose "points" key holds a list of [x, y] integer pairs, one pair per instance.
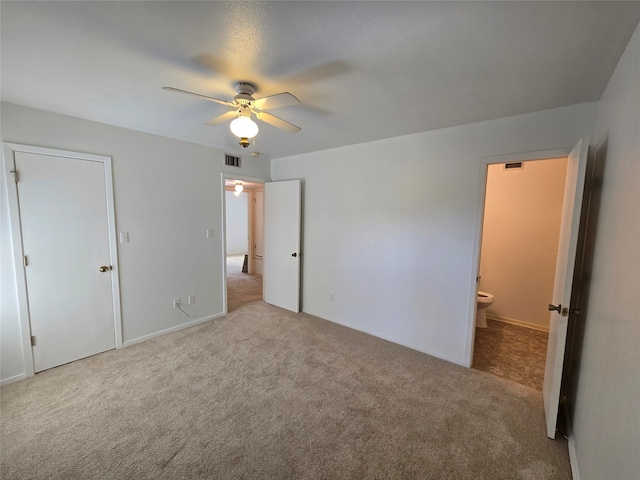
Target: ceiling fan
{"points": [[244, 105]]}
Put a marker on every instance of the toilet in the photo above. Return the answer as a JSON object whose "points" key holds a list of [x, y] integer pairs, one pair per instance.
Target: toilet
{"points": [[484, 300]]}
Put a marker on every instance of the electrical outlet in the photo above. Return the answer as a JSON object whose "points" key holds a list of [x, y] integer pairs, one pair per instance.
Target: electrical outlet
{"points": [[191, 300], [176, 302]]}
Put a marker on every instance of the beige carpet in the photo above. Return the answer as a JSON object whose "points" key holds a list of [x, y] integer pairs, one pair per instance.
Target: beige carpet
{"points": [[267, 394], [241, 287]]}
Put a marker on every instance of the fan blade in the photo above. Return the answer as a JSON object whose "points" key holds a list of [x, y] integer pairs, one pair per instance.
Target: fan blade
{"points": [[230, 115], [277, 122], [211, 99], [278, 100]]}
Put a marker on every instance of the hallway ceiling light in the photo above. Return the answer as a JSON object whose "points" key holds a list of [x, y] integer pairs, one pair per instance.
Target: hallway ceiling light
{"points": [[238, 189]]}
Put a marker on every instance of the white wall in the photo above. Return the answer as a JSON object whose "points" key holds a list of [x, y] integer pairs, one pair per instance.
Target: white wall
{"points": [[606, 417], [389, 225], [522, 213], [237, 223], [167, 193]]}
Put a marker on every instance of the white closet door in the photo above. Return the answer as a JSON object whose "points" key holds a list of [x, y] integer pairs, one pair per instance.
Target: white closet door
{"points": [[63, 213]]}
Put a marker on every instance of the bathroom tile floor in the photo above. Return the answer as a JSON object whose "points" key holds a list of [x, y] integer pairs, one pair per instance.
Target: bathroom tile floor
{"points": [[512, 352]]}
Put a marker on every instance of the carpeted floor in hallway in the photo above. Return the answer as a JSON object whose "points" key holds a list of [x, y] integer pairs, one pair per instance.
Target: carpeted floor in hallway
{"points": [[241, 287]]}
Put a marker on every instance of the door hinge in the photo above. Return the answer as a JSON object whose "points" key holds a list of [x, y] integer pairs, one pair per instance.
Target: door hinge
{"points": [[33, 340], [15, 175], [25, 262]]}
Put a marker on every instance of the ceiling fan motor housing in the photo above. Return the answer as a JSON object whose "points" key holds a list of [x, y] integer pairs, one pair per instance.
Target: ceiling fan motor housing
{"points": [[245, 92], [243, 99]]}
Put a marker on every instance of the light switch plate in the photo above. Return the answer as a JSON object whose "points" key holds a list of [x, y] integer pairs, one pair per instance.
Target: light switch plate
{"points": [[209, 232], [124, 237]]}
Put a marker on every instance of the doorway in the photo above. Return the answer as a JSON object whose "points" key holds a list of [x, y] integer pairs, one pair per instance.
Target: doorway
{"points": [[560, 307], [274, 238], [244, 240], [520, 233]]}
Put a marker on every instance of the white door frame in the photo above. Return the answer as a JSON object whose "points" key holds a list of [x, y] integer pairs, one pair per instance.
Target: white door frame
{"points": [[477, 231], [229, 176], [8, 164]]}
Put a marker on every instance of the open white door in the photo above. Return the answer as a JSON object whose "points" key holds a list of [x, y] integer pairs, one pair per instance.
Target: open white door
{"points": [[576, 168], [281, 280]]}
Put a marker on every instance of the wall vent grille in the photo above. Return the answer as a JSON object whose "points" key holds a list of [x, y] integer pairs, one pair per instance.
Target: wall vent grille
{"points": [[514, 166], [231, 160]]}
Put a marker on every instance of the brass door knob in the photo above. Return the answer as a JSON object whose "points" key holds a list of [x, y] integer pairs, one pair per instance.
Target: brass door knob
{"points": [[105, 268]]}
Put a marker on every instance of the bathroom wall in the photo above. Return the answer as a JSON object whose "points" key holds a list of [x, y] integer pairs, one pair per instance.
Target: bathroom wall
{"points": [[523, 210], [237, 210]]}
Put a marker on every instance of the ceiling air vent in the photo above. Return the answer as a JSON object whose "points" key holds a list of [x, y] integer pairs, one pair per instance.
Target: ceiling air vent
{"points": [[514, 166], [231, 160]]}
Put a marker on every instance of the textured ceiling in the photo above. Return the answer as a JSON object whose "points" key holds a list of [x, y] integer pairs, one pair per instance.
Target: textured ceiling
{"points": [[362, 70]]}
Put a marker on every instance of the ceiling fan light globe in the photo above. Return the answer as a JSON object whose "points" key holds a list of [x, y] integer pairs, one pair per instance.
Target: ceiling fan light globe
{"points": [[244, 127]]}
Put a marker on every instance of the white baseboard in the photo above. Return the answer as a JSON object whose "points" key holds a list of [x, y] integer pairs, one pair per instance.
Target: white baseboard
{"points": [[182, 326], [15, 378], [571, 445], [22, 376], [520, 323], [439, 355], [573, 459]]}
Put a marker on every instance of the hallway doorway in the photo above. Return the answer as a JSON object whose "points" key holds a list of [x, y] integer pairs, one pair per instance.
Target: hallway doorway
{"points": [[244, 234]]}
